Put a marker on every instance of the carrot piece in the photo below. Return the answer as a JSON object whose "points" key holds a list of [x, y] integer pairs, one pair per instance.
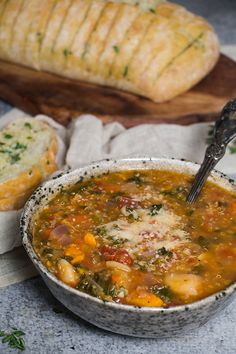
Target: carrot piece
{"points": [[232, 207], [90, 240], [78, 259], [144, 299], [116, 278], [75, 253]]}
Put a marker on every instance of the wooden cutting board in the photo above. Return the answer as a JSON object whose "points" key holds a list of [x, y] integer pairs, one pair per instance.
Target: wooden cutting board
{"points": [[38, 92]]}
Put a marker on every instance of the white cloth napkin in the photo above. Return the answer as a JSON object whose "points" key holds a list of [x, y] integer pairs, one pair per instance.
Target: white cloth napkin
{"points": [[91, 140]]}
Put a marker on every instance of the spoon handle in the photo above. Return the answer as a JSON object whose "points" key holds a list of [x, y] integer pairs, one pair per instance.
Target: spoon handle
{"points": [[214, 153]]}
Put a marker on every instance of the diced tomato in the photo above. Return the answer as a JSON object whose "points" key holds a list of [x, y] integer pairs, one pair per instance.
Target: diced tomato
{"points": [[126, 201], [116, 254]]}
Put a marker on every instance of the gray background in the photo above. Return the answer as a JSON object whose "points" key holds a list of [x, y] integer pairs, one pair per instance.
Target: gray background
{"points": [[30, 306]]}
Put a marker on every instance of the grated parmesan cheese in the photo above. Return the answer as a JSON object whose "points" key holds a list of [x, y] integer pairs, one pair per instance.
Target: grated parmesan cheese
{"points": [[148, 231]]}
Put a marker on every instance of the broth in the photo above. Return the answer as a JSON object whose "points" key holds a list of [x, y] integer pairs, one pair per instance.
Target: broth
{"points": [[130, 237]]}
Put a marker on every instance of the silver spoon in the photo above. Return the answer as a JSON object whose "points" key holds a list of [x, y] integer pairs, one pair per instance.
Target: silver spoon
{"points": [[224, 132]]}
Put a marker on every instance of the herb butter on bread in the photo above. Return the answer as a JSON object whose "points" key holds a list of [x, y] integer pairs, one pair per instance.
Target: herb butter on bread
{"points": [[158, 51], [28, 150]]}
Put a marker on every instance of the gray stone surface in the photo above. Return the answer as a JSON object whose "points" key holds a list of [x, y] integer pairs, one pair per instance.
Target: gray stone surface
{"points": [[30, 305], [220, 13]]}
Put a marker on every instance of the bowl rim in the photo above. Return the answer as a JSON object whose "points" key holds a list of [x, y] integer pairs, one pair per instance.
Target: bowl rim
{"points": [[27, 215]]}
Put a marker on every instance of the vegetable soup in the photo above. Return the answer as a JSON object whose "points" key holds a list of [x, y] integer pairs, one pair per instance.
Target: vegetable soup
{"points": [[131, 238]]}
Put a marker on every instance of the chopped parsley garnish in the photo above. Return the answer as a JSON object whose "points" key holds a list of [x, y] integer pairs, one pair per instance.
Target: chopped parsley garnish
{"points": [[116, 49], [8, 136], [164, 252], [126, 70], [28, 125], [152, 11], [154, 209], [39, 37], [19, 146], [12, 154], [13, 339], [66, 52], [14, 158]]}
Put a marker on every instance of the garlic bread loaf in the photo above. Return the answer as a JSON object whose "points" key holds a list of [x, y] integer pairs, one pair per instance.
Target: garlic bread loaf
{"points": [[28, 150], [157, 51]]}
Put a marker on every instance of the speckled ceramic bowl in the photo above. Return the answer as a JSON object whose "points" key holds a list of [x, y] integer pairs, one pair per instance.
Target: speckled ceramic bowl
{"points": [[151, 322]]}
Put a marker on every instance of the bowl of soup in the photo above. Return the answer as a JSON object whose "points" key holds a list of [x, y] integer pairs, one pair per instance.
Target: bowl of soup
{"points": [[118, 245]]}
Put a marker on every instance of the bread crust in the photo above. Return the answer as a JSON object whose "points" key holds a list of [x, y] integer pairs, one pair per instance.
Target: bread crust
{"points": [[158, 54]]}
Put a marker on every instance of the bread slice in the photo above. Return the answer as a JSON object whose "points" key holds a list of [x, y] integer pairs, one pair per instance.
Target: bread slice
{"points": [[150, 52], [28, 150]]}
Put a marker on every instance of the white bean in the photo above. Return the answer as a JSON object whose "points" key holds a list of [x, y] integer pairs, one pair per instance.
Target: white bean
{"points": [[118, 265], [186, 285], [67, 273]]}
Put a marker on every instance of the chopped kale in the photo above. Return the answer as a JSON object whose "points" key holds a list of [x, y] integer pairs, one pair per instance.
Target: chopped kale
{"points": [[96, 284], [102, 231], [155, 208], [136, 179], [164, 292], [222, 204], [180, 192], [198, 269], [189, 212], [164, 252], [115, 241], [203, 242]]}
